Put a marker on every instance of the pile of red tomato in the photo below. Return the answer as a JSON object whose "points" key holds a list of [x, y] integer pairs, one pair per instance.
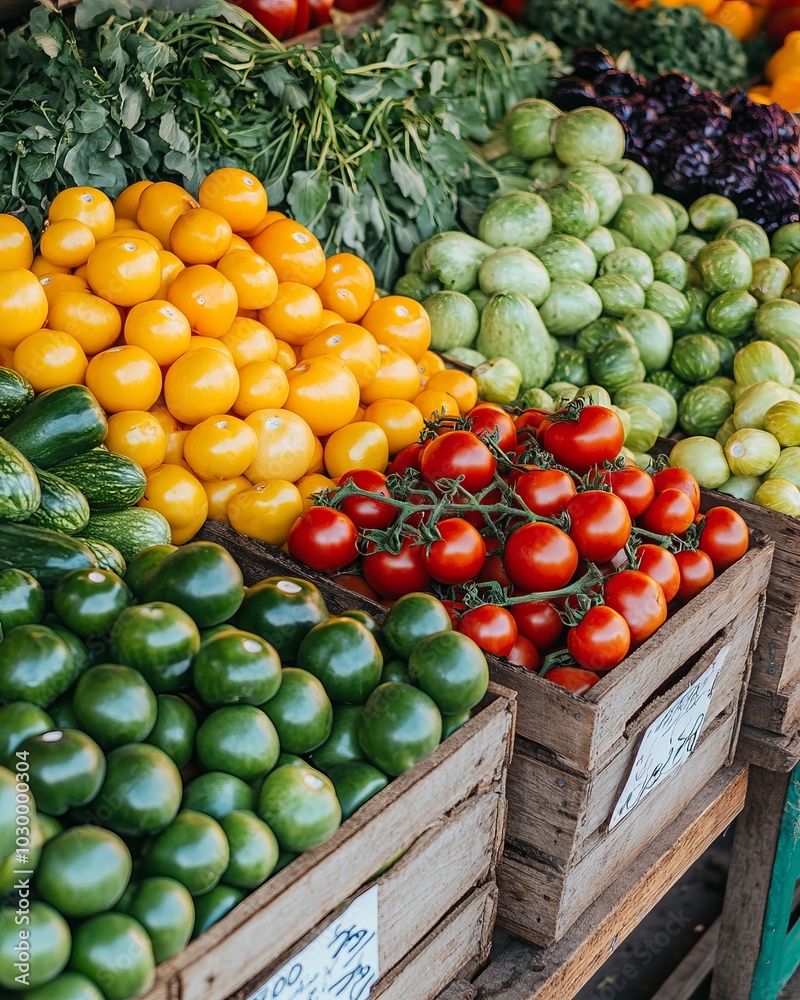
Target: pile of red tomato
{"points": [[287, 18], [527, 528]]}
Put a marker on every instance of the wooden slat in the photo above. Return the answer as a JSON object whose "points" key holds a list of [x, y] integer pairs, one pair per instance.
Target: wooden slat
{"points": [[768, 750], [523, 972], [460, 990], [693, 970]]}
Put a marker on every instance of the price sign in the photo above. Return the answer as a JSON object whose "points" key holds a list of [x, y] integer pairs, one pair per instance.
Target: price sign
{"points": [[341, 964], [668, 741]]}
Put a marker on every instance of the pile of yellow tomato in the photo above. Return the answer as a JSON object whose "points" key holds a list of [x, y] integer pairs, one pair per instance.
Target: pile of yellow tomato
{"points": [[238, 366]]}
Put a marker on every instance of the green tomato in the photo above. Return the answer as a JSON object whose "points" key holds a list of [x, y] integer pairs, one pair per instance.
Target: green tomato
{"points": [[114, 705], [19, 721], [236, 667], [781, 420], [144, 565], [89, 600], [41, 947], [193, 849], [83, 871], [282, 610], [450, 723], [67, 986], [66, 771], [400, 726], [21, 599], [141, 793], [411, 618], [213, 906], [342, 744], [159, 640], [343, 654], [300, 806], [201, 578], [36, 665], [175, 729], [498, 379], [356, 782], [301, 711], [113, 949], [216, 794], [253, 849], [166, 911], [239, 739], [452, 669]]}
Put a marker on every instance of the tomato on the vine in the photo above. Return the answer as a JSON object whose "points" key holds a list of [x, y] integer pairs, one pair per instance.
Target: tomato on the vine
{"points": [[540, 557], [595, 436], [661, 565], [459, 453], [493, 568], [457, 557], [363, 512], [600, 525], [670, 513], [538, 621], [491, 627], [409, 457], [490, 419], [394, 575], [356, 584], [633, 486], [454, 609], [279, 17], [574, 679], [697, 572], [545, 492], [324, 539], [639, 599], [724, 537], [601, 640], [524, 654], [678, 479], [530, 419]]}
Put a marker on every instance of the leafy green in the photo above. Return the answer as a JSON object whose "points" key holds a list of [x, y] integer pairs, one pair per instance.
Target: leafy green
{"points": [[362, 139]]}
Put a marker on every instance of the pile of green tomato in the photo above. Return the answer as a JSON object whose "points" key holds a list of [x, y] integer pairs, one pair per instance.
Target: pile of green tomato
{"points": [[172, 739]]}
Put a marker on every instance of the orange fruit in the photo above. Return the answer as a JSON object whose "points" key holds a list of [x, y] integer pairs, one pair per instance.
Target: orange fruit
{"points": [[82, 272], [124, 271], [249, 340], [361, 445], [49, 359], [94, 322], [87, 205], [285, 445], [397, 378], [54, 284], [330, 318], [399, 419], [266, 511], [170, 267], [253, 278], [398, 321], [310, 484], [431, 402], [16, 245], [179, 496], [237, 195], [295, 315], [286, 356], [211, 344], [460, 385], [266, 220], [138, 435], [42, 268], [220, 493], [67, 243], [324, 392], [206, 298], [159, 206], [139, 234], [126, 204], [348, 286], [429, 364], [262, 385], [294, 252], [239, 243], [121, 223], [220, 447], [200, 384], [160, 328], [200, 236], [175, 432], [23, 306], [350, 343], [317, 463], [124, 378]]}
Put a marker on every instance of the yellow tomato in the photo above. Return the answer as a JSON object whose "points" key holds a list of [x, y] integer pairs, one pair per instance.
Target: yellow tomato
{"points": [[206, 298], [138, 435], [87, 205], [127, 203], [16, 245], [294, 252], [221, 447], [235, 194], [324, 392], [317, 463], [159, 328], [141, 236], [295, 315], [179, 496], [94, 322], [171, 267], [23, 306], [220, 493], [40, 267], [431, 402], [54, 284], [400, 420], [200, 236], [311, 484], [200, 384], [400, 322], [253, 278], [159, 206], [176, 434], [49, 359], [124, 378], [124, 271], [67, 243], [266, 511], [239, 243], [330, 318], [362, 445], [397, 378], [286, 356], [429, 364], [285, 445], [249, 341], [352, 344], [262, 385], [460, 385], [347, 287], [210, 344]]}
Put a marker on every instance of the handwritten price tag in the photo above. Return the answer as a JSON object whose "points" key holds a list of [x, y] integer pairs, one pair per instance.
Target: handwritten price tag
{"points": [[341, 963], [668, 741]]}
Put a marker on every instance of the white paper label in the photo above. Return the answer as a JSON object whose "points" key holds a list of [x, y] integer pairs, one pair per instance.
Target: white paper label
{"points": [[341, 963], [668, 741]]}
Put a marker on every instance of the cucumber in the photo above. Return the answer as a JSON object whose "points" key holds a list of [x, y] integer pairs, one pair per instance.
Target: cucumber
{"points": [[108, 557], [109, 482], [16, 393], [130, 530], [63, 507], [58, 424], [46, 555], [20, 493]]}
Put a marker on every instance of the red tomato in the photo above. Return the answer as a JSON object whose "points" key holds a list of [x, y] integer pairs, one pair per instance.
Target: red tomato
{"points": [[601, 640], [356, 584], [363, 512], [320, 12], [409, 457], [459, 555], [454, 609], [725, 537], [395, 575], [487, 418], [493, 568], [524, 654], [459, 453], [662, 566], [545, 492], [475, 517], [303, 19], [670, 513], [277, 16], [600, 525], [491, 627], [697, 571], [633, 486], [540, 557], [538, 621], [640, 601], [595, 437], [530, 419], [574, 679], [678, 479], [324, 539]]}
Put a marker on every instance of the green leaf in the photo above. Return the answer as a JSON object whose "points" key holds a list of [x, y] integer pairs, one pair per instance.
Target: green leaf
{"points": [[308, 194], [408, 179], [132, 101]]}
